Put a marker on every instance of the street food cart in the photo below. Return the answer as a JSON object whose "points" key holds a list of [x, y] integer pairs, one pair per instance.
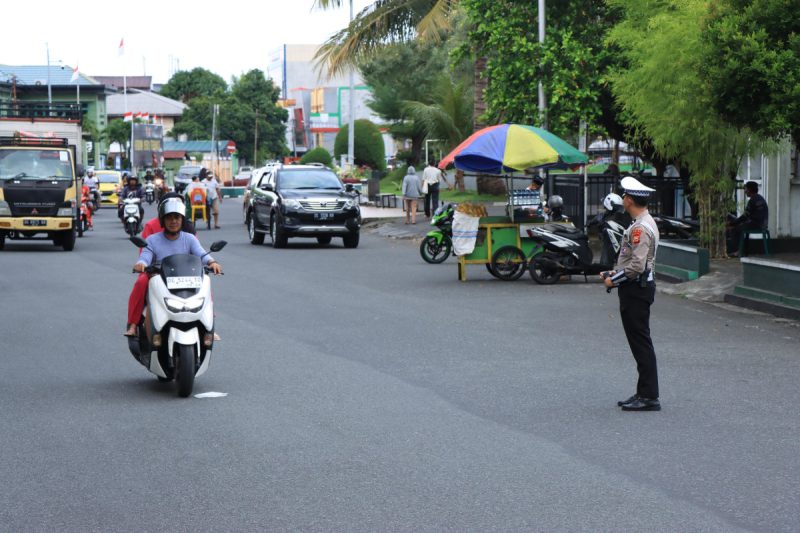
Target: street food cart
{"points": [[501, 243]]}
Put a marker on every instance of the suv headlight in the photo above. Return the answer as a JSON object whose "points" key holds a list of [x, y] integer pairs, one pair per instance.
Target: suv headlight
{"points": [[5, 210], [292, 204], [192, 305], [350, 203]]}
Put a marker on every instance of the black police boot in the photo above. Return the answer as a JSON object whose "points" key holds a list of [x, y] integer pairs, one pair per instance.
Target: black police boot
{"points": [[629, 400], [643, 404]]}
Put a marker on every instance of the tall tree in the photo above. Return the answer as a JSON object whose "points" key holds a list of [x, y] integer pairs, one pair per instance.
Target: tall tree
{"points": [[753, 65], [572, 64], [664, 95], [252, 99], [186, 85]]}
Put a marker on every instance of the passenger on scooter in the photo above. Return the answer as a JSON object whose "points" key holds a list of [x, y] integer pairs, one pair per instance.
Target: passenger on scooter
{"points": [[132, 187], [171, 241]]}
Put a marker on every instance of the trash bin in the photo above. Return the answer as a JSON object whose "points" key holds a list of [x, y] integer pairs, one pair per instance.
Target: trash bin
{"points": [[374, 185]]}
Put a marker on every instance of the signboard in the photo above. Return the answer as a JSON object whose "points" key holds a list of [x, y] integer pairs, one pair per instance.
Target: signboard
{"points": [[231, 147], [148, 145]]}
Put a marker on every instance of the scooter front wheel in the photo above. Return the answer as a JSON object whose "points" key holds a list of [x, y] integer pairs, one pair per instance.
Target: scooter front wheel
{"points": [[542, 270], [433, 251], [185, 370]]}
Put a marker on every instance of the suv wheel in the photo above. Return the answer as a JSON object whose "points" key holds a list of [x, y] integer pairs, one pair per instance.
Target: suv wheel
{"points": [[255, 237], [278, 234], [351, 241]]}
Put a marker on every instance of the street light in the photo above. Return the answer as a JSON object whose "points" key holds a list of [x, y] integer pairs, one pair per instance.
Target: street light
{"points": [[426, 147], [351, 130]]}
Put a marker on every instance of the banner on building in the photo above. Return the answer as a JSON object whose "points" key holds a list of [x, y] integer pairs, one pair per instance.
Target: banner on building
{"points": [[148, 145]]}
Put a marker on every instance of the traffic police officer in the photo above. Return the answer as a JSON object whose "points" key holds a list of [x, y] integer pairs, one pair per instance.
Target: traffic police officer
{"points": [[634, 276]]}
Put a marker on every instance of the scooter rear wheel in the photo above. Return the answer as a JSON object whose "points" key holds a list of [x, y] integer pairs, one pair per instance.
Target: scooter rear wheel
{"points": [[508, 263], [541, 271]]}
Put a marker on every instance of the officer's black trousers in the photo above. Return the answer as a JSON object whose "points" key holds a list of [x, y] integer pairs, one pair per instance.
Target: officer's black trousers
{"points": [[634, 307]]}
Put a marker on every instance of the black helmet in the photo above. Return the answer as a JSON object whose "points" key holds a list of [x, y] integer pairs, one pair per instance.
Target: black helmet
{"points": [[170, 203], [538, 180]]}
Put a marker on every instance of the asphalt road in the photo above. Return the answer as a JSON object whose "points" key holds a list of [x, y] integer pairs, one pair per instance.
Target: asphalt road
{"points": [[369, 391]]}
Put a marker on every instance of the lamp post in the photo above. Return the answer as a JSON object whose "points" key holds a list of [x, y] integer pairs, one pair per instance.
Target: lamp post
{"points": [[426, 148], [542, 102], [351, 130]]}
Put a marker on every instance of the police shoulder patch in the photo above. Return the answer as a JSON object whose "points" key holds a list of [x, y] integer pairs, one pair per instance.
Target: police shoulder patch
{"points": [[636, 235]]}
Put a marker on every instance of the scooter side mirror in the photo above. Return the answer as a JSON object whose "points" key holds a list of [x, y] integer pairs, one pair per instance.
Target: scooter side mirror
{"points": [[138, 241], [217, 246]]}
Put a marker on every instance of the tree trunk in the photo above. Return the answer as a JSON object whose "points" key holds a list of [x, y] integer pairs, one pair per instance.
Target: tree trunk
{"points": [[479, 102], [491, 185]]}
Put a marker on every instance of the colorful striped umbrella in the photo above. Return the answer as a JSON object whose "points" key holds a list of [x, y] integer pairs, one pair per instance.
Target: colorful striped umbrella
{"points": [[509, 147]]}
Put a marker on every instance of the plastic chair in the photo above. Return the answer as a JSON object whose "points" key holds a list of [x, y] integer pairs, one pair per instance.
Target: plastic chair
{"points": [[745, 237], [197, 200]]}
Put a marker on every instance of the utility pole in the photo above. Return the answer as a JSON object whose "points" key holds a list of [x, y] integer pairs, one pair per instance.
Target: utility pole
{"points": [[351, 130], [49, 88], [255, 144], [542, 101]]}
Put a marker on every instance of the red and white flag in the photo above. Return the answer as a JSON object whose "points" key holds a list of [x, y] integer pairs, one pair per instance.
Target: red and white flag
{"points": [[155, 119], [137, 115], [127, 117], [146, 116], [121, 46], [74, 74]]}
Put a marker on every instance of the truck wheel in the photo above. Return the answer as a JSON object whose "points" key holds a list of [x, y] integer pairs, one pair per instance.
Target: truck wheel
{"points": [[68, 240], [351, 241], [2, 241]]}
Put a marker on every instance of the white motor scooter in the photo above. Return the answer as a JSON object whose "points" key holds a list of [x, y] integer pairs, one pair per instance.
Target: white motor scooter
{"points": [[150, 193], [131, 216], [177, 340]]}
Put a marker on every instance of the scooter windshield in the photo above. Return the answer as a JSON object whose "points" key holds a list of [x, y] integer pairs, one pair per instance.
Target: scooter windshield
{"points": [[182, 272]]}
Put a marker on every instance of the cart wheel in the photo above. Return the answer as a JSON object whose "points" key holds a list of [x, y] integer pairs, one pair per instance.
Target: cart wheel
{"points": [[490, 269], [542, 271], [508, 263]]}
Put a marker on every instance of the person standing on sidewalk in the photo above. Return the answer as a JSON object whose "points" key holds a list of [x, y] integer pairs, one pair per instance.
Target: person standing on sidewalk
{"points": [[634, 276], [213, 196], [431, 178], [412, 191]]}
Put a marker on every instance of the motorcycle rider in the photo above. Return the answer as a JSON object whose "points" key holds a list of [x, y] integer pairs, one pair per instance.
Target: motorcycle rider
{"points": [[90, 181], [132, 187], [171, 241]]}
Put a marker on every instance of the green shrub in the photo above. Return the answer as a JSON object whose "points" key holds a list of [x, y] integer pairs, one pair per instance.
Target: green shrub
{"points": [[368, 149], [317, 155]]}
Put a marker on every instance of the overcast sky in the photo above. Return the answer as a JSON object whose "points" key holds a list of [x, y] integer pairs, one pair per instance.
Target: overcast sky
{"points": [[227, 37]]}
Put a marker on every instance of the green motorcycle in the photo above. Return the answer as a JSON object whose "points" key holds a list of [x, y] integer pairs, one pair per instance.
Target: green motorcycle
{"points": [[437, 245]]}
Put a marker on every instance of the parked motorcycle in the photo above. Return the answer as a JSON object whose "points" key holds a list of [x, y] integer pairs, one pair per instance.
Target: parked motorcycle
{"points": [[149, 193], [131, 215], [177, 340], [567, 251], [438, 244], [676, 228]]}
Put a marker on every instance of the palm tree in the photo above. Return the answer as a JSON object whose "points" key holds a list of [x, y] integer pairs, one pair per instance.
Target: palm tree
{"points": [[383, 22], [449, 117]]}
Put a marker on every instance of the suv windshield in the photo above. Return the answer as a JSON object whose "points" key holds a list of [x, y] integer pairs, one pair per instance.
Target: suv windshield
{"points": [[308, 179], [187, 172], [36, 164]]}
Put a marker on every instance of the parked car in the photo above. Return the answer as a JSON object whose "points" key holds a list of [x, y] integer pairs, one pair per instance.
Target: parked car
{"points": [[184, 177], [302, 201], [109, 182], [241, 179]]}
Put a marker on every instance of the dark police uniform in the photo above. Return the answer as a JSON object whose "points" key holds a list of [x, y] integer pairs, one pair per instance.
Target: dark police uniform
{"points": [[635, 280]]}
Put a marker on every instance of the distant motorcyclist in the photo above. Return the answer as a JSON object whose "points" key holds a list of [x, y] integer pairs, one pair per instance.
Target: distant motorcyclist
{"points": [[91, 181], [132, 189], [170, 241], [148, 176]]}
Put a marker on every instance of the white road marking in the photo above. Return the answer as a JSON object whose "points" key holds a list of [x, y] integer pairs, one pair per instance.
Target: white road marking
{"points": [[211, 395]]}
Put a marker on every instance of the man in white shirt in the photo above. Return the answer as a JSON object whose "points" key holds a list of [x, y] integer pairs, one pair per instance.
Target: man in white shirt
{"points": [[213, 196], [431, 177]]}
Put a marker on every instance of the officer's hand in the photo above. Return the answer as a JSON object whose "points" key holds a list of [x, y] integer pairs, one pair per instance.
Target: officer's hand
{"points": [[608, 283], [138, 267]]}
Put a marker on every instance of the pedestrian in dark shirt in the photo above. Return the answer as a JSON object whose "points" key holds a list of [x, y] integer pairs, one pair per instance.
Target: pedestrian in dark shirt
{"points": [[756, 216]]}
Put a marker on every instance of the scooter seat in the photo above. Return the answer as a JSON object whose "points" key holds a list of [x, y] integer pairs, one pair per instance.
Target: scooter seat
{"points": [[569, 232]]}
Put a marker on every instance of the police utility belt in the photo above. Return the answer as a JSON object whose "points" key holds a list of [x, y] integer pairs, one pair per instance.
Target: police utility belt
{"points": [[642, 279]]}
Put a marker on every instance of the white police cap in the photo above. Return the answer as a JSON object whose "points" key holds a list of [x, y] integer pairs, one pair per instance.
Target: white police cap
{"points": [[634, 187]]}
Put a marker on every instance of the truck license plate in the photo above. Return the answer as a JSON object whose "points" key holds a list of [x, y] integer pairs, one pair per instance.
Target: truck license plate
{"points": [[323, 216], [34, 222]]}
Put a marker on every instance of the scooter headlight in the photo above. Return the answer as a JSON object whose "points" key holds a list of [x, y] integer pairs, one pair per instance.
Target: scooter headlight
{"points": [[192, 305]]}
